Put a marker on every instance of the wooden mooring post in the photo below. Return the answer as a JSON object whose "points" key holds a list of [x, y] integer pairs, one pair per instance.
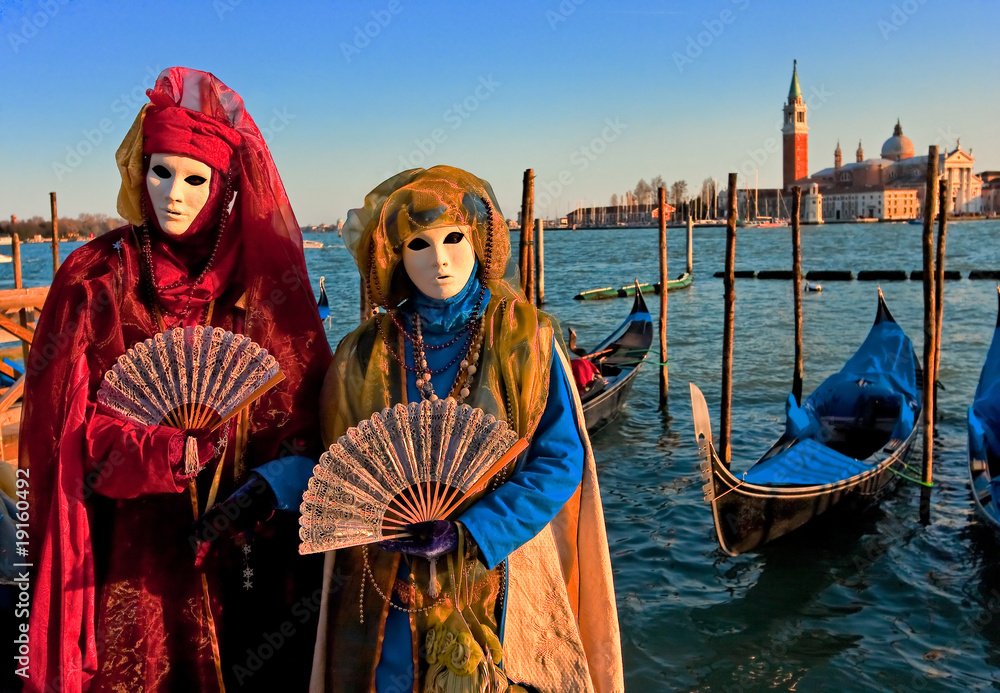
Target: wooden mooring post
{"points": [[664, 372], [729, 282], [930, 332], [22, 314], [797, 292], [942, 239], [55, 234], [540, 257], [526, 262], [690, 246]]}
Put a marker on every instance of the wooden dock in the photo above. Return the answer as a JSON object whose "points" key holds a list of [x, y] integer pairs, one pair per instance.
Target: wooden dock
{"points": [[17, 330]]}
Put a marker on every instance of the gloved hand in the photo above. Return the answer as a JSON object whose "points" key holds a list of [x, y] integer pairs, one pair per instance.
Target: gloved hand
{"points": [[427, 539], [251, 503]]}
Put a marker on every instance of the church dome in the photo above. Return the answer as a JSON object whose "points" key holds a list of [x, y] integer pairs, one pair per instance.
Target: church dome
{"points": [[898, 146]]}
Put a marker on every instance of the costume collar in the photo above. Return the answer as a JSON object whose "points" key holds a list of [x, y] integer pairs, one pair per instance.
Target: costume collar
{"points": [[442, 316]]}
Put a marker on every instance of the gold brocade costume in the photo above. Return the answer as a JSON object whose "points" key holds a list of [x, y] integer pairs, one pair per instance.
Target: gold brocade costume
{"points": [[561, 625]]}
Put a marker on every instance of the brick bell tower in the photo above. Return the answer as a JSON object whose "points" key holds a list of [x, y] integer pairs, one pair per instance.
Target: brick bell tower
{"points": [[794, 134]]}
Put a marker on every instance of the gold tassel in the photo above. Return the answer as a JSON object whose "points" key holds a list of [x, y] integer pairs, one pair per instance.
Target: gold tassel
{"points": [[434, 588], [485, 679], [191, 456]]}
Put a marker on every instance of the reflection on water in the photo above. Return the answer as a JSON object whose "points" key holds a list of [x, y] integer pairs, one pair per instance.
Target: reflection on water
{"points": [[872, 603]]}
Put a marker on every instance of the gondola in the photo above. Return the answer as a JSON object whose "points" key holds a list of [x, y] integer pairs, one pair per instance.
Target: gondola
{"points": [[984, 447], [844, 446], [618, 358], [323, 304]]}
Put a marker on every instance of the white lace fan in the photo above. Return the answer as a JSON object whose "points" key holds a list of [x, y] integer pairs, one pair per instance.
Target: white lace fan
{"points": [[189, 378], [408, 464]]}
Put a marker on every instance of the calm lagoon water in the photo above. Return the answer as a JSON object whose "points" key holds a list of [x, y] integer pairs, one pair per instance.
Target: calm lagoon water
{"points": [[880, 603]]}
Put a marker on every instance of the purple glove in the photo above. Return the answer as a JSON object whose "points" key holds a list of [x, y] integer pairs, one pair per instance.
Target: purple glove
{"points": [[427, 539]]}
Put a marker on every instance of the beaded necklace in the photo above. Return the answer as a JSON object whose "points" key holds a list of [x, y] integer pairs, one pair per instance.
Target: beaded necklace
{"points": [[465, 328], [466, 332], [466, 370], [152, 289]]}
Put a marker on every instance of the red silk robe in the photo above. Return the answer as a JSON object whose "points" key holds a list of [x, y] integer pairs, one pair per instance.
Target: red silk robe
{"points": [[117, 602]]}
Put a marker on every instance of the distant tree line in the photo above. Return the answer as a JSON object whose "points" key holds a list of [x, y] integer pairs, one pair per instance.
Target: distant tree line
{"points": [[700, 206], [70, 229]]}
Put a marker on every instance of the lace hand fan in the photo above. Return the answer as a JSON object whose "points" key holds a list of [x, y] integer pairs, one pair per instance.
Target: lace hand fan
{"points": [[189, 378], [408, 464]]}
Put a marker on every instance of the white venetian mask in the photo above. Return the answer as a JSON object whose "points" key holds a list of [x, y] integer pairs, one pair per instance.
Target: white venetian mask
{"points": [[178, 187], [440, 260]]}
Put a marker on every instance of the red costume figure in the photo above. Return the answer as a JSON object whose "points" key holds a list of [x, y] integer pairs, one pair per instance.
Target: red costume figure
{"points": [[118, 603]]}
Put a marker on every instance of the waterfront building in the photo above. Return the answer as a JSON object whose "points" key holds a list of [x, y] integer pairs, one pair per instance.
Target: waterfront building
{"points": [[885, 205], [811, 211], [616, 215], [794, 134], [890, 187], [966, 187], [990, 192]]}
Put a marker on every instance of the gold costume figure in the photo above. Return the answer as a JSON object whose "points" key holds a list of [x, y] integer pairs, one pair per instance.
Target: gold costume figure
{"points": [[551, 600]]}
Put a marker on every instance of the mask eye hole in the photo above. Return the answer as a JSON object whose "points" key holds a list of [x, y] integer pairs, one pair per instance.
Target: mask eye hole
{"points": [[418, 244], [454, 237], [195, 180], [161, 171]]}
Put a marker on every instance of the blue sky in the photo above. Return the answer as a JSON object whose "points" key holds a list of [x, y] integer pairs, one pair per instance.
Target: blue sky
{"points": [[592, 94]]}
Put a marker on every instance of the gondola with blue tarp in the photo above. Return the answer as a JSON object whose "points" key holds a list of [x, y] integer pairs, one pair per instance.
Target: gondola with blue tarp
{"points": [[984, 436], [844, 446]]}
